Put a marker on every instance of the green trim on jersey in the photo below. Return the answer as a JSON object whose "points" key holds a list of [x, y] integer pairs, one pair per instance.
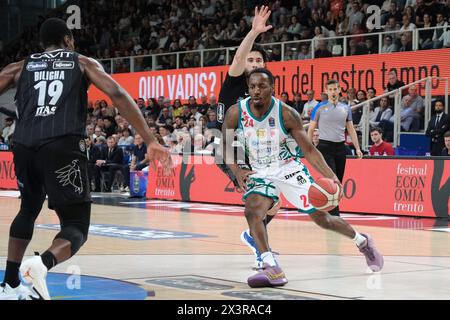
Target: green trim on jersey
{"points": [[265, 115]]}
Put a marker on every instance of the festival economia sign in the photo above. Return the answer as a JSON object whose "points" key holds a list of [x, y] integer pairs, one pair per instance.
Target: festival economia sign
{"points": [[386, 186], [7, 173], [359, 72]]}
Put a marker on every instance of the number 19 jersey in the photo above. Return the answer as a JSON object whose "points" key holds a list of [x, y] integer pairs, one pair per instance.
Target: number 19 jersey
{"points": [[51, 98]]}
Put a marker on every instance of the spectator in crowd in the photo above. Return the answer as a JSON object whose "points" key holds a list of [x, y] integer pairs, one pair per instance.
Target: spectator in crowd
{"points": [[126, 139], [212, 120], [409, 119], [213, 103], [309, 104], [322, 50], [388, 45], [379, 146], [164, 118], [165, 132], [355, 16], [383, 112], [436, 128], [304, 52], [177, 108], [194, 111], [110, 162], [138, 159], [297, 104], [204, 105], [315, 138], [426, 36], [110, 126], [406, 43], [8, 129], [446, 150], [94, 153], [417, 102], [285, 98], [437, 34], [141, 105]]}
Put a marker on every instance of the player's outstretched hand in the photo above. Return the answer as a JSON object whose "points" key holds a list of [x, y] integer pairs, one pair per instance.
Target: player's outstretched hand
{"points": [[242, 175], [260, 19], [155, 151]]}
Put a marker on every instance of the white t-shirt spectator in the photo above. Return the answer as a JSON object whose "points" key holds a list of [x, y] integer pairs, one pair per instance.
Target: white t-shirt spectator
{"points": [[309, 105], [410, 27], [354, 17], [445, 37], [126, 141]]}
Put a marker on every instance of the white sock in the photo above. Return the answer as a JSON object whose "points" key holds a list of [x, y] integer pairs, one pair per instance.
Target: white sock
{"points": [[267, 257], [359, 239]]}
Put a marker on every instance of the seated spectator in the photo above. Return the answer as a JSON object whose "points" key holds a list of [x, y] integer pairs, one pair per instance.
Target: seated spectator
{"points": [[315, 138], [126, 139], [94, 152], [212, 120], [406, 44], [446, 150], [388, 45], [445, 39], [297, 104], [440, 22], [141, 105], [177, 108], [409, 119], [322, 50], [204, 105], [213, 103], [417, 103], [165, 133], [379, 146], [165, 116], [285, 98], [304, 52], [383, 112], [98, 132], [194, 112], [138, 159], [8, 129], [426, 36], [186, 114], [179, 124], [110, 126], [309, 104], [111, 161]]}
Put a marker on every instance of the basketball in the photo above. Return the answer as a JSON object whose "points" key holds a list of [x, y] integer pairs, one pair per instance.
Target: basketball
{"points": [[324, 194]]}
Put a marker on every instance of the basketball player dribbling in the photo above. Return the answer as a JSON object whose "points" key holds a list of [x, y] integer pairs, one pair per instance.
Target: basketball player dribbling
{"points": [[248, 57], [50, 152], [263, 125]]}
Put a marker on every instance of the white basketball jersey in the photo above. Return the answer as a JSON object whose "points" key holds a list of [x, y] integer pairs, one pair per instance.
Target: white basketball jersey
{"points": [[266, 141]]}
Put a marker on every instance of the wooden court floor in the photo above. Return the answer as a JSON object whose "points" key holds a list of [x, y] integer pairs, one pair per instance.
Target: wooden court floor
{"points": [[171, 250]]}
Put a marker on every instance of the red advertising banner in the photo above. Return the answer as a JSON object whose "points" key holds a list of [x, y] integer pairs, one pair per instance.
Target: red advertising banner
{"points": [[359, 72], [7, 173], [386, 186]]}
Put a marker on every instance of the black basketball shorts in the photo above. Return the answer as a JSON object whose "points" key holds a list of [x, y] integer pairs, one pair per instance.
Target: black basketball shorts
{"points": [[57, 169]]}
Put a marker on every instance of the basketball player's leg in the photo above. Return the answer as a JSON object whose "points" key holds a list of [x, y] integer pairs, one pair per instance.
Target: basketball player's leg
{"points": [[270, 274], [256, 207], [295, 189], [32, 199], [64, 166]]}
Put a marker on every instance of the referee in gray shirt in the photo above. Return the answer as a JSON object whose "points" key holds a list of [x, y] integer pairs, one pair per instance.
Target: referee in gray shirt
{"points": [[332, 118]]}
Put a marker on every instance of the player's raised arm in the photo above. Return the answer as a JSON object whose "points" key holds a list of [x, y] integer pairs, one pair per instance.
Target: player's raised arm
{"points": [[293, 123], [127, 108], [258, 26]]}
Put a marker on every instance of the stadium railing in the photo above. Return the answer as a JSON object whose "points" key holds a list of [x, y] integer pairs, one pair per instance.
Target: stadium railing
{"points": [[338, 46]]}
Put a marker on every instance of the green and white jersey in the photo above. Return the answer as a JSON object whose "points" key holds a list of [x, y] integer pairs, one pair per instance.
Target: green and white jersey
{"points": [[266, 142]]}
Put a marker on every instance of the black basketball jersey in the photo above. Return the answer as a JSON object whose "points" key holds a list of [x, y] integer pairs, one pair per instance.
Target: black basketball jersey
{"points": [[51, 98], [233, 89]]}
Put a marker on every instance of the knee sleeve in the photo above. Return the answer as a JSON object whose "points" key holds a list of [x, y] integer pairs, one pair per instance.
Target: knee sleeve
{"points": [[75, 220], [23, 225]]}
